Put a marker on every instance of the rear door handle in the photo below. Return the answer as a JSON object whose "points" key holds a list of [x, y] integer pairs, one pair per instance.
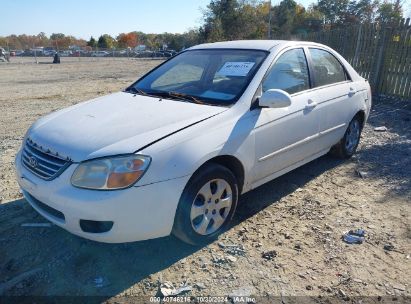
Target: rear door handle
{"points": [[311, 104]]}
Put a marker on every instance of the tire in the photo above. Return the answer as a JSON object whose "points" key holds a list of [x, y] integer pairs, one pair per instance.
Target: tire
{"points": [[206, 206], [347, 146]]}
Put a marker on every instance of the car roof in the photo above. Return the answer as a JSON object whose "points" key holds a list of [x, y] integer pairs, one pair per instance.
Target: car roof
{"points": [[265, 45], [272, 45]]}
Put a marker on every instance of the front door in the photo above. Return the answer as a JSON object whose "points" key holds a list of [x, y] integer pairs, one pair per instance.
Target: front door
{"points": [[285, 136]]}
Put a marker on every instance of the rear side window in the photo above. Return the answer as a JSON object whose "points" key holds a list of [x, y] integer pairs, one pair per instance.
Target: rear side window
{"points": [[289, 73], [326, 68]]}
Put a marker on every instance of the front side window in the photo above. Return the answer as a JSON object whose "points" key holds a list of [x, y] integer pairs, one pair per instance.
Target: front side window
{"points": [[326, 68], [289, 73], [214, 76]]}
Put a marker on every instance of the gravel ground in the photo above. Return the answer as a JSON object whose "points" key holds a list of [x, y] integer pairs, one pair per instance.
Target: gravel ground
{"points": [[285, 239]]}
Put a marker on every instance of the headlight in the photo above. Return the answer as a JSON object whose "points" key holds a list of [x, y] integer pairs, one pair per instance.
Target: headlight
{"points": [[110, 173]]}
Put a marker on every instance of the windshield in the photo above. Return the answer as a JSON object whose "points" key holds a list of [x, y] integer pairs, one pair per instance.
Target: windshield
{"points": [[214, 76]]}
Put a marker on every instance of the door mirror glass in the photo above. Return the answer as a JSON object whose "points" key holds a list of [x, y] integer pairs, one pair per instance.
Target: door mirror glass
{"points": [[275, 99]]}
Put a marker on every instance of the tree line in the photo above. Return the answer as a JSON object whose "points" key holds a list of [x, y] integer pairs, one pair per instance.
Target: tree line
{"points": [[151, 41], [242, 19], [105, 41], [235, 19]]}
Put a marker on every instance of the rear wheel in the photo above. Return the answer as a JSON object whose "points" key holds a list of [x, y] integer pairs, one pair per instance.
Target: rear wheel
{"points": [[206, 206], [347, 146]]}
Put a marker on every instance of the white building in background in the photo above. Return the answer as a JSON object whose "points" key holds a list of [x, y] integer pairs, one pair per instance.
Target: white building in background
{"points": [[74, 48], [140, 48], [38, 50]]}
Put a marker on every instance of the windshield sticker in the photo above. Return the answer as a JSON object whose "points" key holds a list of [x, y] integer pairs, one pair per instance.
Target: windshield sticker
{"points": [[235, 68]]}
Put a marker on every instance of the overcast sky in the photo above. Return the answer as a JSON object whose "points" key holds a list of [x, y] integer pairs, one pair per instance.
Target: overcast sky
{"points": [[85, 18]]}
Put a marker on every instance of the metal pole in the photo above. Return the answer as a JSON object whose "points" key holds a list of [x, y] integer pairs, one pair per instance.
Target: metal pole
{"points": [[269, 20], [8, 49], [35, 53]]}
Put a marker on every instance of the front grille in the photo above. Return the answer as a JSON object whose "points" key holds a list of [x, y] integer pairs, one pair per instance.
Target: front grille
{"points": [[42, 163]]}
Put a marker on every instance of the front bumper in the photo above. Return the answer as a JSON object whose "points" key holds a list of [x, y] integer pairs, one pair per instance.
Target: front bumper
{"points": [[137, 213]]}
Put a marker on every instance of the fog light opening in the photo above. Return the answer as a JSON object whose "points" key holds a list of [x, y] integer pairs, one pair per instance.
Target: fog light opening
{"points": [[96, 226]]}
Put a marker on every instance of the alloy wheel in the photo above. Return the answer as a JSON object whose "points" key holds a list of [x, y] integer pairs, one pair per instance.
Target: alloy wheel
{"points": [[353, 135], [211, 206]]}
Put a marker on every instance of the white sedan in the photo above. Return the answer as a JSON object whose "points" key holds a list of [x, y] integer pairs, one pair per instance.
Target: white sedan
{"points": [[100, 54], [172, 153]]}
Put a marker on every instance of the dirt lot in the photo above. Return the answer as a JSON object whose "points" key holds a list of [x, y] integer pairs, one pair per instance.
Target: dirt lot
{"points": [[286, 236]]}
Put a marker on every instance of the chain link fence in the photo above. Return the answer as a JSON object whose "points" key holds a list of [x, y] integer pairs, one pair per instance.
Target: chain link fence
{"points": [[40, 52]]}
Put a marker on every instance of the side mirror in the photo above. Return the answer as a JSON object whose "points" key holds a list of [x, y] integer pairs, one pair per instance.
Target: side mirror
{"points": [[275, 99]]}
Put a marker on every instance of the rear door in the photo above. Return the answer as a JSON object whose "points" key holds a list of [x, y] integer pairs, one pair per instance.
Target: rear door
{"points": [[335, 94]]}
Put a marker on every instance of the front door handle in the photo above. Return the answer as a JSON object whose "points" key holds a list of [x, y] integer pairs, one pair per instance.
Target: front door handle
{"points": [[352, 92], [311, 104]]}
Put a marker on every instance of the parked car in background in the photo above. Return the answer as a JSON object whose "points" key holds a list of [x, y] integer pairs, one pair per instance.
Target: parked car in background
{"points": [[65, 53], [19, 52], [38, 51], [27, 52], [49, 52], [166, 54], [144, 54], [100, 54], [4, 55], [125, 52], [173, 152]]}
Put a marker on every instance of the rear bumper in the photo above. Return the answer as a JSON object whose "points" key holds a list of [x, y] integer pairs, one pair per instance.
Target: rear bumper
{"points": [[137, 213]]}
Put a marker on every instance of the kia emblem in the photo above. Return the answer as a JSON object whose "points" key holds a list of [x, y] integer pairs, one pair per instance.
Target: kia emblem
{"points": [[33, 162]]}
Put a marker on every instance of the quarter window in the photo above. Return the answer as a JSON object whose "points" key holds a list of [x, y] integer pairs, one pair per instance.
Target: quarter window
{"points": [[289, 73], [326, 68]]}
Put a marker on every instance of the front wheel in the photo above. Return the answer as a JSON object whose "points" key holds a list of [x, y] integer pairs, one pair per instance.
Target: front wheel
{"points": [[347, 146], [206, 206]]}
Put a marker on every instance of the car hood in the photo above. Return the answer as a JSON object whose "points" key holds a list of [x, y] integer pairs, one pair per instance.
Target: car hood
{"points": [[119, 123]]}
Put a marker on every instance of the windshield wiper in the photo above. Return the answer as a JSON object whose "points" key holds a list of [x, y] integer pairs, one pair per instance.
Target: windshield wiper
{"points": [[134, 90], [186, 97], [171, 94]]}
